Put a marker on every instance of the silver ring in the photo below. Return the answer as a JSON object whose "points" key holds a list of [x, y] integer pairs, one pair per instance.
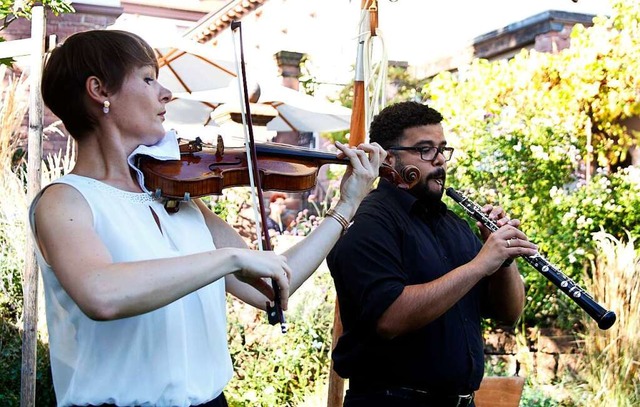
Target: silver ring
{"points": [[509, 243]]}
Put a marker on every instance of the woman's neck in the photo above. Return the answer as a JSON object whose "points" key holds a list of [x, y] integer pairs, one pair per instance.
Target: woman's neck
{"points": [[105, 161]]}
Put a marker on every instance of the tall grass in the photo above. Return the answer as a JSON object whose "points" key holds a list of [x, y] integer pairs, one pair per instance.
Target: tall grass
{"points": [[611, 358], [14, 233], [13, 107], [55, 165]]}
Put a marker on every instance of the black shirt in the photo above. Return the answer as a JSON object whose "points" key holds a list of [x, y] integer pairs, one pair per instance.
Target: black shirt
{"points": [[272, 224], [394, 242]]}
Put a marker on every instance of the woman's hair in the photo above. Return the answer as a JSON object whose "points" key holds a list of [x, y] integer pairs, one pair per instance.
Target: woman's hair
{"points": [[109, 55], [389, 125]]}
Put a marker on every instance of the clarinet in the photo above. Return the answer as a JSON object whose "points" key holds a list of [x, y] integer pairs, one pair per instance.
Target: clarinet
{"points": [[602, 316]]}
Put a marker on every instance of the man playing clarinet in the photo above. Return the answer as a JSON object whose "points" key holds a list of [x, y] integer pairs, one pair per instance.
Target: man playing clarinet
{"points": [[414, 281]]}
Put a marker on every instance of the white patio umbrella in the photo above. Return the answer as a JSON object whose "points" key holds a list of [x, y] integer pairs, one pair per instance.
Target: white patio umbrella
{"points": [[295, 111], [188, 66], [187, 111]]}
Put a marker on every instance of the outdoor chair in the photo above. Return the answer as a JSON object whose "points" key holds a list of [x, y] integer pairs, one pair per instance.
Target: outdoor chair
{"points": [[497, 391]]}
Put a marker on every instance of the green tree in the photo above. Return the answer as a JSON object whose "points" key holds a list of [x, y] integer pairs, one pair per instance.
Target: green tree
{"points": [[11, 10], [542, 134]]}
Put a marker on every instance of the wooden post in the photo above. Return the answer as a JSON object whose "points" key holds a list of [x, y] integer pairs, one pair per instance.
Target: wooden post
{"points": [[30, 280], [336, 383], [357, 133]]}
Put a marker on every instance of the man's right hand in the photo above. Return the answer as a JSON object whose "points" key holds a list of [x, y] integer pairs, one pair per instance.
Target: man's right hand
{"points": [[508, 242]]}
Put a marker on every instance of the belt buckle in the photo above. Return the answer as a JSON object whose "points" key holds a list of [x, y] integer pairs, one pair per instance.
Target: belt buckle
{"points": [[464, 400]]}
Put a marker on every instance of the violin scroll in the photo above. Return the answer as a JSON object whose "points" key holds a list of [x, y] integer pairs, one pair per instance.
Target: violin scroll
{"points": [[407, 178], [411, 175]]}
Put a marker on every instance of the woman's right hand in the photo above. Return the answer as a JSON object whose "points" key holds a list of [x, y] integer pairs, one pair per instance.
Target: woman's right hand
{"points": [[255, 266]]}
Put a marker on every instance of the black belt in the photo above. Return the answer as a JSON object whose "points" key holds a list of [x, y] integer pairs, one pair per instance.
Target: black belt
{"points": [[427, 397]]}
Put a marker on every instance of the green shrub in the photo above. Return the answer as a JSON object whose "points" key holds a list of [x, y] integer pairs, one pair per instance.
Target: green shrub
{"points": [[11, 362], [542, 135], [534, 397], [275, 369]]}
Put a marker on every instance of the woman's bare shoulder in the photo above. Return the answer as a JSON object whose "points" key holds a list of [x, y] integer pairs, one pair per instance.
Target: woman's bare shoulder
{"points": [[60, 203]]}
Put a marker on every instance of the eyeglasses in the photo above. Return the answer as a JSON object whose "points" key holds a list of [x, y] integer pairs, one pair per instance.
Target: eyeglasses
{"points": [[428, 153]]}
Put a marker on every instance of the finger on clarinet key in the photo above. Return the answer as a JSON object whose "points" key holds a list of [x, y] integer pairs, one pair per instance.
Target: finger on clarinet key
{"points": [[504, 220], [497, 214]]}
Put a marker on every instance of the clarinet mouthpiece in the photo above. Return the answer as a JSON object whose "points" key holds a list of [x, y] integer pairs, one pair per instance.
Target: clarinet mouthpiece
{"points": [[453, 194]]}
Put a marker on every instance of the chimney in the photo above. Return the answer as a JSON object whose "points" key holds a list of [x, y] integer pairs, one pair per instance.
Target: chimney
{"points": [[289, 68]]}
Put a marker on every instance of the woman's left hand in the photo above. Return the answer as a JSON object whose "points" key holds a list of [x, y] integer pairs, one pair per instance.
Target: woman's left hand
{"points": [[356, 183]]}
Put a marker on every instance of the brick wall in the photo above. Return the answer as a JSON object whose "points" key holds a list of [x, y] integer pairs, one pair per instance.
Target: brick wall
{"points": [[554, 41], [543, 355]]}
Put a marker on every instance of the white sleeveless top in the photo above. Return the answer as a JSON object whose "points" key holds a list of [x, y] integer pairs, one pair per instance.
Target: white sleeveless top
{"points": [[174, 356]]}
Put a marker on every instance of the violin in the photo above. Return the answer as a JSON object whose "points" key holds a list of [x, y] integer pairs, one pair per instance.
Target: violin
{"points": [[206, 170]]}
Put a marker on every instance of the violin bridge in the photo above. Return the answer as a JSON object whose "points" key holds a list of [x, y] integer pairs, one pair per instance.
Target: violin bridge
{"points": [[191, 146]]}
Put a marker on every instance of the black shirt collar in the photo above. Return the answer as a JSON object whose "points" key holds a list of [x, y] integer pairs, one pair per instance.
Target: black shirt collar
{"points": [[408, 202]]}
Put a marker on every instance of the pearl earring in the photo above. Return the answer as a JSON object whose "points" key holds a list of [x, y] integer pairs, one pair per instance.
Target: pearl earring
{"points": [[105, 106]]}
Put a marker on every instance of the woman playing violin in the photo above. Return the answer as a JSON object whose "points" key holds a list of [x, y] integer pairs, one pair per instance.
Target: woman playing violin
{"points": [[135, 296]]}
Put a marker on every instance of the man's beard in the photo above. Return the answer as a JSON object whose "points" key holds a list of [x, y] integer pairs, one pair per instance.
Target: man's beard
{"points": [[424, 190]]}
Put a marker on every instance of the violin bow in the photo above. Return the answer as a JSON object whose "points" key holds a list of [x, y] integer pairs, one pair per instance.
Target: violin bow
{"points": [[275, 314], [368, 99]]}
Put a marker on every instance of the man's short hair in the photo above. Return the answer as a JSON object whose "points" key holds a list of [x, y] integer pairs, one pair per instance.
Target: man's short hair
{"points": [[389, 125]]}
